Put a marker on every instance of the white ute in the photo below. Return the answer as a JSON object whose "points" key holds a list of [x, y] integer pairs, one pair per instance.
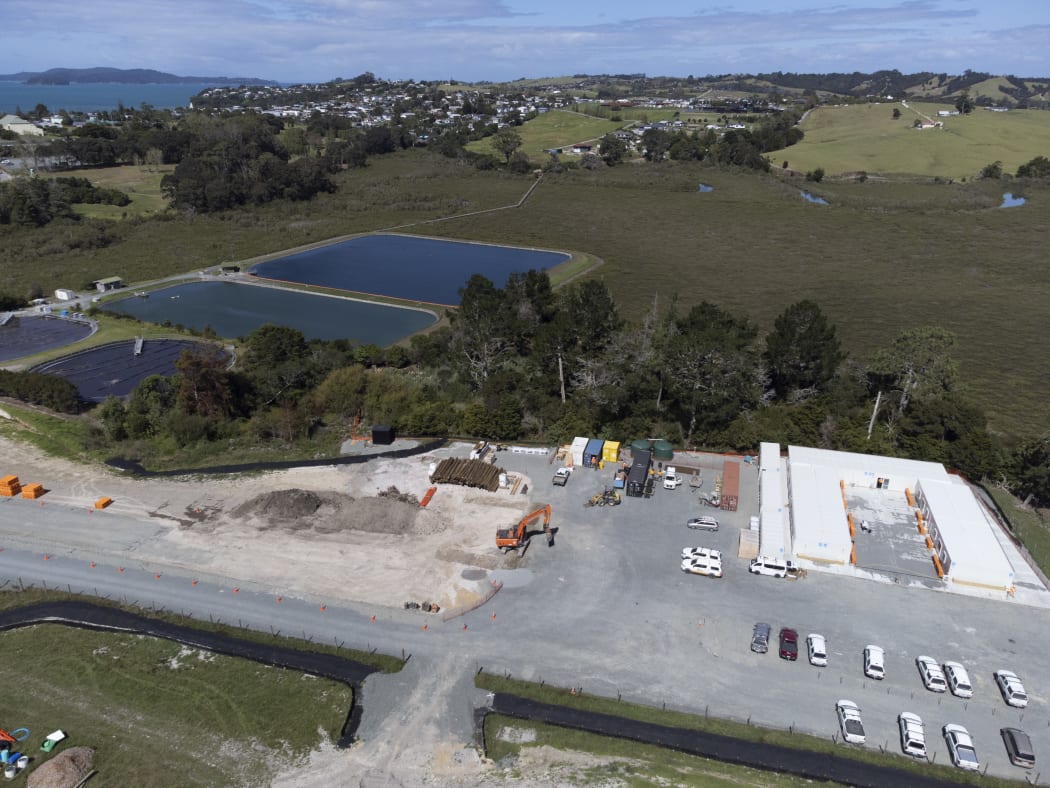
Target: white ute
{"points": [[671, 478]]}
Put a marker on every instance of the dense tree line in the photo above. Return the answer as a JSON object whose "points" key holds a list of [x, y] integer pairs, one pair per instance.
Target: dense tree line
{"points": [[34, 202], [50, 391]]}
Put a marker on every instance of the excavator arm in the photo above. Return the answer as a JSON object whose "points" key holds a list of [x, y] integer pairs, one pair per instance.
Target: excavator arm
{"points": [[514, 538]]}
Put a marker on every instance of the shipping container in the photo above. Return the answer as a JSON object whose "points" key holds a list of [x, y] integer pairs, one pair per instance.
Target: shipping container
{"points": [[611, 451], [576, 451], [592, 454], [639, 473]]}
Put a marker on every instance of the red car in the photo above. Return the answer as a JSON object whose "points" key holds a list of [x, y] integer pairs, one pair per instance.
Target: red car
{"points": [[788, 644]]}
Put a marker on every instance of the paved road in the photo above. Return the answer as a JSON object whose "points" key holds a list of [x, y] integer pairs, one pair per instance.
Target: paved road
{"points": [[607, 609]]}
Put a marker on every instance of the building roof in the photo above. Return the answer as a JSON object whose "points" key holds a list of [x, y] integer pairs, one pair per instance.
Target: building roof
{"points": [[109, 280], [774, 534], [821, 531], [976, 556]]}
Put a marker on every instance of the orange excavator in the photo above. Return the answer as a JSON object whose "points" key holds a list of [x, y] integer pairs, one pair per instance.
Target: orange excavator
{"points": [[518, 536]]}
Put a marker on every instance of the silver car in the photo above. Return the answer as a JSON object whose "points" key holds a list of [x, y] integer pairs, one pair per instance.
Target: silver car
{"points": [[760, 638]]}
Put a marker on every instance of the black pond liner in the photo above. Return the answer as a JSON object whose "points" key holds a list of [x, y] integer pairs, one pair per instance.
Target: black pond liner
{"points": [[131, 466], [769, 757], [26, 335], [114, 370], [85, 615]]}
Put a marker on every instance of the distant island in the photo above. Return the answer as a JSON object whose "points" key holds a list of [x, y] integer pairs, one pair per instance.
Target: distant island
{"points": [[127, 76]]}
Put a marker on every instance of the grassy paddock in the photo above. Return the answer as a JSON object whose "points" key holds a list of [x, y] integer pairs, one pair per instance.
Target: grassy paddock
{"points": [[554, 129], [141, 184], [160, 714], [1030, 526], [798, 741], [865, 137]]}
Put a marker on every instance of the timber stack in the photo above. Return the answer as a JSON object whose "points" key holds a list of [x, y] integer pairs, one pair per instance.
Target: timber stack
{"points": [[469, 473]]}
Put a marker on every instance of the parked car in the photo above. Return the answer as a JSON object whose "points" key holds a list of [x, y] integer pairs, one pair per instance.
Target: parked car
{"points": [[704, 523], [1018, 747], [788, 644], [913, 734], [960, 747], [874, 663], [760, 638], [958, 680], [818, 650], [850, 722], [1012, 688], [561, 476], [701, 552], [931, 673], [710, 567]]}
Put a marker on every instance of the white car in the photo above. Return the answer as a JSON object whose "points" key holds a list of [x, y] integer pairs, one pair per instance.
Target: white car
{"points": [[710, 567], [771, 566], [817, 650], [704, 523], [850, 722], [701, 552], [874, 662], [1012, 688], [932, 675], [913, 734], [960, 747], [958, 680]]}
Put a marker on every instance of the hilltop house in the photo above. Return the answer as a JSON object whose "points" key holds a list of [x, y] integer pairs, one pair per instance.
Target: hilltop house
{"points": [[20, 126]]}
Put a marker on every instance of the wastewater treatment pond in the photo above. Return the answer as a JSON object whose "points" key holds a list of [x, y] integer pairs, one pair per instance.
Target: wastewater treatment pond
{"points": [[407, 267], [235, 310]]}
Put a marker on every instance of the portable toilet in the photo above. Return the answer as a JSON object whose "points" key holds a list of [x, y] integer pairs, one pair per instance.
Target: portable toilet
{"points": [[592, 454], [576, 451], [611, 451]]}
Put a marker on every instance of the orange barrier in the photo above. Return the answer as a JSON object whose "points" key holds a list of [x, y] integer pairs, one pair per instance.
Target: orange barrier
{"points": [[929, 542], [907, 494], [426, 498], [102, 503], [918, 519], [853, 555], [938, 567], [849, 519], [32, 491]]}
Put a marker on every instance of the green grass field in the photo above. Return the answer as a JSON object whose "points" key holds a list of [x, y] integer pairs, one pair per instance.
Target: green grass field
{"points": [[141, 184], [866, 138], [554, 129], [159, 714]]}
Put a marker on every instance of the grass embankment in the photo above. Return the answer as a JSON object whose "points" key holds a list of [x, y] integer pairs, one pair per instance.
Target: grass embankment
{"points": [[1028, 525], [158, 713], [797, 741], [866, 137], [629, 762]]}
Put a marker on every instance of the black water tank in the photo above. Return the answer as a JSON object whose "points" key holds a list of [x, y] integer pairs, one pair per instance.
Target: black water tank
{"points": [[382, 435]]}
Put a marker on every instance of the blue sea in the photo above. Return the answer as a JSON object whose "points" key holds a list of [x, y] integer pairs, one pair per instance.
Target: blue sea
{"points": [[94, 96]]}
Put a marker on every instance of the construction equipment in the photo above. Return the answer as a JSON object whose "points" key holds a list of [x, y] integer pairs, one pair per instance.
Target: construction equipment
{"points": [[607, 498], [518, 537]]}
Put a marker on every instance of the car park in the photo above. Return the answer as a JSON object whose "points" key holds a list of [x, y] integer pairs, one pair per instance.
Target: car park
{"points": [[788, 644], [913, 734], [931, 673], [817, 649], [850, 723], [760, 638], [958, 680], [874, 663], [1018, 747], [710, 567], [704, 523], [960, 747], [701, 552], [1011, 688]]}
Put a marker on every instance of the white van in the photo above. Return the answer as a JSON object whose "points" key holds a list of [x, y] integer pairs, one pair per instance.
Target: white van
{"points": [[772, 566]]}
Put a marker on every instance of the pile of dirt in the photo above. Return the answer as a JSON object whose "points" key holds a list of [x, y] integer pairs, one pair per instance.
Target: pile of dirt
{"points": [[391, 512], [65, 770], [281, 505]]}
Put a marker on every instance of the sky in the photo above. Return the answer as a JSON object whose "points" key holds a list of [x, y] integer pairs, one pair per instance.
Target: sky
{"points": [[476, 40]]}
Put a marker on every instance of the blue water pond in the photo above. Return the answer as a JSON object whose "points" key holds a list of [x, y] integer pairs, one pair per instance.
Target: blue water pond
{"points": [[813, 199], [1009, 201]]}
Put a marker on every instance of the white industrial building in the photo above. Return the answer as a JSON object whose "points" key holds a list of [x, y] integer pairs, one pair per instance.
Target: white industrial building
{"points": [[804, 512]]}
